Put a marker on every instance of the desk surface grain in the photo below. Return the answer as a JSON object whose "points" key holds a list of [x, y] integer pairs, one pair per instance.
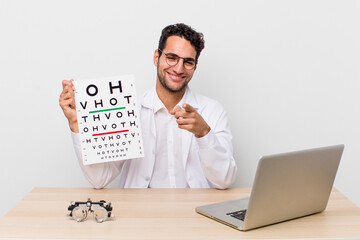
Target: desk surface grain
{"points": [[162, 214]]}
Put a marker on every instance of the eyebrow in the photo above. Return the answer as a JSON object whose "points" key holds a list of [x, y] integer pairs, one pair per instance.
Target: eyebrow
{"points": [[175, 55]]}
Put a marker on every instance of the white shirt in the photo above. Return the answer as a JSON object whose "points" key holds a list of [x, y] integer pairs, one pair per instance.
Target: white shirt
{"points": [[168, 149], [207, 161]]}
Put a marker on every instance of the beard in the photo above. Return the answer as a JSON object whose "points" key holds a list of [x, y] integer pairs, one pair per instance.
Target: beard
{"points": [[165, 85]]}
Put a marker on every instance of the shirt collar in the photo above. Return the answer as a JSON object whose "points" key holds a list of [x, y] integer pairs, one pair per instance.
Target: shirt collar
{"points": [[151, 100], [158, 104]]}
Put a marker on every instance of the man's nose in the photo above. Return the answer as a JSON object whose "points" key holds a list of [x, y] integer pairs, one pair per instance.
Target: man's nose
{"points": [[179, 67]]}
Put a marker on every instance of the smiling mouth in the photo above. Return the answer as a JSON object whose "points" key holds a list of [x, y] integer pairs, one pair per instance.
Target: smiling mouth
{"points": [[176, 78]]}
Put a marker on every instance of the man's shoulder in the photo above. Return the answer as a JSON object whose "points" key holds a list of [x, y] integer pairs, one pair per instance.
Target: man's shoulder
{"points": [[146, 99], [210, 109], [205, 101]]}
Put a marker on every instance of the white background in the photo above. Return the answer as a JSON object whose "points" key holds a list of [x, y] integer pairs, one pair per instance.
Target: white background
{"points": [[287, 72]]}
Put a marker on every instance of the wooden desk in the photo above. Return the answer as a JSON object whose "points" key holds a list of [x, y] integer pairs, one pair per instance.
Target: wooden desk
{"points": [[162, 214]]}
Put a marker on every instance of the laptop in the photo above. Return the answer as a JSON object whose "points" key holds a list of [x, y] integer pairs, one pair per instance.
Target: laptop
{"points": [[286, 186]]}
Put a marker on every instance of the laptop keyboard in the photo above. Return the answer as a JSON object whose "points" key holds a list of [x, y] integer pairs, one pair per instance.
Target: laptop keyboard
{"points": [[238, 214]]}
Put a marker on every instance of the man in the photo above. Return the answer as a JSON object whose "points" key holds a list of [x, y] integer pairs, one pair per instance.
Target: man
{"points": [[187, 142]]}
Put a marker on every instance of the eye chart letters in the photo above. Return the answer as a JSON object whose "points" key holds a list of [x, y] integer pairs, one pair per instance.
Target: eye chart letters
{"points": [[108, 119]]}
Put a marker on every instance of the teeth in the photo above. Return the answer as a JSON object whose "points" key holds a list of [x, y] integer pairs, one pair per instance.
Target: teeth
{"points": [[174, 77]]}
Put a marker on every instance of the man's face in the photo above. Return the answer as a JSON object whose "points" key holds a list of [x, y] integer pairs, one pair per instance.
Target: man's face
{"points": [[174, 78]]}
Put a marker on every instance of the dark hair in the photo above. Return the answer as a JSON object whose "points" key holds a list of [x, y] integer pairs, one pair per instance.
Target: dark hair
{"points": [[182, 30]]}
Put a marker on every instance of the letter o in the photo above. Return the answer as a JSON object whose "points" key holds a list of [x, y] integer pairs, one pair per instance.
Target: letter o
{"points": [[88, 90], [111, 101], [119, 114]]}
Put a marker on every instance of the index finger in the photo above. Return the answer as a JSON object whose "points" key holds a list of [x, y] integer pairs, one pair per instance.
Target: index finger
{"points": [[174, 111], [188, 107]]}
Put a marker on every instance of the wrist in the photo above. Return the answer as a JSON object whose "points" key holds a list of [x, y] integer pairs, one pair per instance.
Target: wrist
{"points": [[74, 127], [204, 133]]}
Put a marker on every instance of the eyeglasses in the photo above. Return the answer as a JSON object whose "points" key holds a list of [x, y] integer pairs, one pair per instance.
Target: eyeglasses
{"points": [[173, 59], [79, 210]]}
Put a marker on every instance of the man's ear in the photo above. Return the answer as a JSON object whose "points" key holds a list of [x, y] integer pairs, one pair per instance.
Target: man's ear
{"points": [[156, 57]]}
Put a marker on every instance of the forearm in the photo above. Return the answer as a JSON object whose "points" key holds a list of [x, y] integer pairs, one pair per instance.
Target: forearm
{"points": [[216, 154]]}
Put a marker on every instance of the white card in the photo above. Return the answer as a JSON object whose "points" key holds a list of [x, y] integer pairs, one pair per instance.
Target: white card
{"points": [[108, 119]]}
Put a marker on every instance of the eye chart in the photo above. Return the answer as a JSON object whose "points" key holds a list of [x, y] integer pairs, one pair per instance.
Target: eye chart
{"points": [[108, 119]]}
